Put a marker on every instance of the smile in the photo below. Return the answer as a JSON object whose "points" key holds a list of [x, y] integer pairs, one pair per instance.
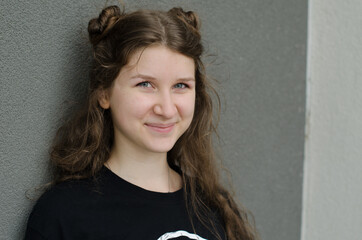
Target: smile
{"points": [[160, 128]]}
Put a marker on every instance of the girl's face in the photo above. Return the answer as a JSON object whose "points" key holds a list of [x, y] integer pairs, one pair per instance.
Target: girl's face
{"points": [[152, 100]]}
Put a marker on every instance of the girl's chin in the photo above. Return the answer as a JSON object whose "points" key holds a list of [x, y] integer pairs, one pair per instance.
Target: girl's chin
{"points": [[160, 148]]}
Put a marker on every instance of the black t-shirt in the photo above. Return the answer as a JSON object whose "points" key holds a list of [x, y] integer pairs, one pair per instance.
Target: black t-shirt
{"points": [[112, 208]]}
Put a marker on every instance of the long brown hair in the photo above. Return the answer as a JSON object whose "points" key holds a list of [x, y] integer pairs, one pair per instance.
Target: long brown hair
{"points": [[82, 145]]}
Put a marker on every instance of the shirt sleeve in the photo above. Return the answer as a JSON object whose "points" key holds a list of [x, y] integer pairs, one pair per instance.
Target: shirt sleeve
{"points": [[32, 234]]}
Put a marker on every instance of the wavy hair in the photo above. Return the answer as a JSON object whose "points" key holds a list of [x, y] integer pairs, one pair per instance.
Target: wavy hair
{"points": [[83, 144]]}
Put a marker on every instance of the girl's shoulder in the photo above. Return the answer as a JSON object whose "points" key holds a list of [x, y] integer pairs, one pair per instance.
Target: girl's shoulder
{"points": [[61, 194], [71, 192], [56, 205]]}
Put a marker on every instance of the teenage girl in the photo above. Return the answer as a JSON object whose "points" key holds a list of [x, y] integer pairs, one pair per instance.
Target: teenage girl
{"points": [[137, 161]]}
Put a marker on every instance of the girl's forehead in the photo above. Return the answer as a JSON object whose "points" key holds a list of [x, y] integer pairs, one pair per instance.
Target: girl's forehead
{"points": [[158, 59]]}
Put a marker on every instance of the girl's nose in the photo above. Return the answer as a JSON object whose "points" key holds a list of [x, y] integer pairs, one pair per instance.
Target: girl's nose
{"points": [[165, 106]]}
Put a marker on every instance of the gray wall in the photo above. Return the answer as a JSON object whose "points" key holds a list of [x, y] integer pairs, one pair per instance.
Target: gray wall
{"points": [[260, 47], [332, 206]]}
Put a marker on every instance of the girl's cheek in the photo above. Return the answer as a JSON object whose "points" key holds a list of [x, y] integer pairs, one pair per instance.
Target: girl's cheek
{"points": [[186, 105], [139, 105]]}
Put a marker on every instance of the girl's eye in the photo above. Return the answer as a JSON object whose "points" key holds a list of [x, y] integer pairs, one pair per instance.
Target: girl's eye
{"points": [[180, 85], [144, 84]]}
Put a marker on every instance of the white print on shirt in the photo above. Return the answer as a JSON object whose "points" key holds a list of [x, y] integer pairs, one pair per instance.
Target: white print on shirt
{"points": [[180, 233]]}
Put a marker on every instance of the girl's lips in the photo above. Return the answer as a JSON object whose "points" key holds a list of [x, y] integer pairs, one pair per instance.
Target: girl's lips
{"points": [[161, 128]]}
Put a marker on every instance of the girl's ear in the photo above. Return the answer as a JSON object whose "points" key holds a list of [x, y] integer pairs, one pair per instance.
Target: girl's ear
{"points": [[103, 98]]}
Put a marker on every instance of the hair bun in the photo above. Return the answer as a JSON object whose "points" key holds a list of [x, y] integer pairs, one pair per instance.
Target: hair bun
{"points": [[190, 17], [98, 27]]}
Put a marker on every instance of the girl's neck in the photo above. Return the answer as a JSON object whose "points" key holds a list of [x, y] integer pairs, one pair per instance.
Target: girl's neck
{"points": [[146, 170]]}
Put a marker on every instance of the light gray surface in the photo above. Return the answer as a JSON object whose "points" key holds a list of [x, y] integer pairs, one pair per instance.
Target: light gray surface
{"points": [[260, 48], [332, 206]]}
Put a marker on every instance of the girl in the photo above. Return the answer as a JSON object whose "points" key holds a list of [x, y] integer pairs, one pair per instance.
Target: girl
{"points": [[137, 161]]}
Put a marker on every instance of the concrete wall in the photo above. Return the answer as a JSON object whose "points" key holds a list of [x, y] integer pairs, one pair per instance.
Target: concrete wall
{"points": [[332, 206], [261, 64]]}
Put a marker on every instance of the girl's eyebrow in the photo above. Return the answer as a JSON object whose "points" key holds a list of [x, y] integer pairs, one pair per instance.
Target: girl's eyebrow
{"points": [[188, 79], [143, 76], [148, 77]]}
